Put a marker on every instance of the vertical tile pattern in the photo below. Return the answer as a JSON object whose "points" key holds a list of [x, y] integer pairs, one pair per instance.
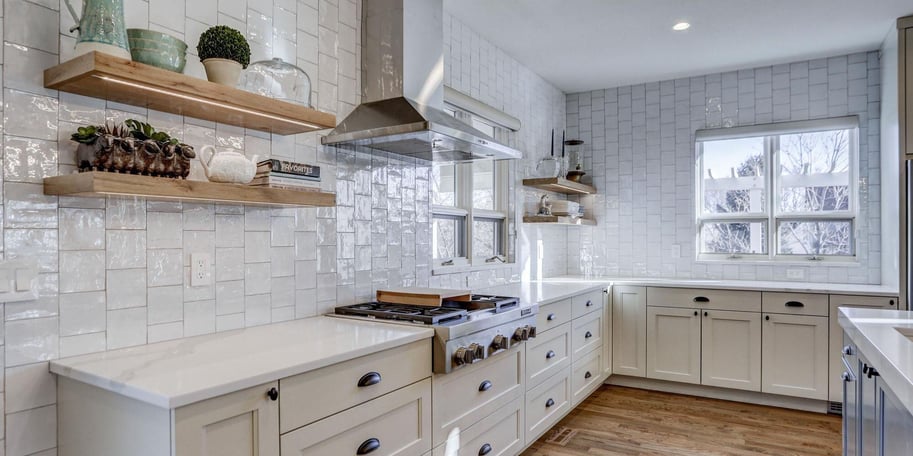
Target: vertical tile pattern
{"points": [[115, 272], [641, 153]]}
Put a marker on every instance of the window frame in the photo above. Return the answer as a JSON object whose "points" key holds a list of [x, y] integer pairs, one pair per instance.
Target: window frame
{"points": [[773, 216]]}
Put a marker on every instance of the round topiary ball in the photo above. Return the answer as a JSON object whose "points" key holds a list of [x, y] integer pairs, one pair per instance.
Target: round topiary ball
{"points": [[223, 42]]}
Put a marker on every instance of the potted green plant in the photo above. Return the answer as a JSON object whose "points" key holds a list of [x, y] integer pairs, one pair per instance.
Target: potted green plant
{"points": [[224, 52]]}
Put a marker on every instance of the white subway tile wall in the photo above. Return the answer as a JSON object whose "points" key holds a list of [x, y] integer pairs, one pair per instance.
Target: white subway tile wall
{"points": [[640, 151], [115, 272]]}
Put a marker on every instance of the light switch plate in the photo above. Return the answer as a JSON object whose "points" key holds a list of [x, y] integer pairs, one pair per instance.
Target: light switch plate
{"points": [[18, 280]]}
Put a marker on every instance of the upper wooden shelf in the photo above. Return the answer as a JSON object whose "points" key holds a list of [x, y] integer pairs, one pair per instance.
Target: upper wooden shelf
{"points": [[558, 220], [101, 75], [559, 185], [97, 183]]}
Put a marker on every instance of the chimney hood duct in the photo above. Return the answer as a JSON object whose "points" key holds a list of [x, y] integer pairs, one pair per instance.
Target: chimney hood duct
{"points": [[402, 84]]}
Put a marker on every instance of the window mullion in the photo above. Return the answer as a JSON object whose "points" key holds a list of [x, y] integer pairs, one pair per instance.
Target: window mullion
{"points": [[773, 193]]}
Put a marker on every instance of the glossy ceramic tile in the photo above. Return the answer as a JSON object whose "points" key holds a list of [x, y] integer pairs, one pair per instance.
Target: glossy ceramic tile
{"points": [[82, 313], [82, 271], [126, 249], [29, 386], [126, 288], [82, 229], [165, 304]]}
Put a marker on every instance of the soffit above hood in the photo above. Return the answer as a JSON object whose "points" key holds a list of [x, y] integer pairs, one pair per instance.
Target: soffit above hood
{"points": [[402, 83]]}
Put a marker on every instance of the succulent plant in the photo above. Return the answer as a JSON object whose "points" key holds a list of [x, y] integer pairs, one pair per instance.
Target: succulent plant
{"points": [[223, 42], [143, 131], [85, 135]]}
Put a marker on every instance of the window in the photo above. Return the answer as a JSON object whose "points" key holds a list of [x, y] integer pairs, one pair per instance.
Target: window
{"points": [[780, 191], [470, 207]]}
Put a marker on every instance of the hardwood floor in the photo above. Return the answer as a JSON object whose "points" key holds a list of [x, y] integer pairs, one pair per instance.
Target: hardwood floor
{"points": [[626, 421]]}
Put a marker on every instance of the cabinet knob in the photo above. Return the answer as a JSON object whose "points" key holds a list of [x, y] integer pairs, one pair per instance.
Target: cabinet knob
{"points": [[705, 314], [550, 402], [371, 378], [368, 446], [588, 335], [484, 386], [846, 377], [272, 394], [485, 450], [891, 302], [550, 317], [695, 313], [767, 317], [550, 354]]}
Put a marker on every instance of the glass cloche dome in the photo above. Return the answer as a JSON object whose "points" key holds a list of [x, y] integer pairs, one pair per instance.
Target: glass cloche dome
{"points": [[278, 79]]}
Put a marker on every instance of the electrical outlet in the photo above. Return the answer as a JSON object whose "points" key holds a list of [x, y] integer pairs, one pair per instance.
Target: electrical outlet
{"points": [[795, 273], [200, 269]]}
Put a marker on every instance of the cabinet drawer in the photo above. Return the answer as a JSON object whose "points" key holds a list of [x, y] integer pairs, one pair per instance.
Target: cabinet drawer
{"points": [[547, 353], [585, 376], [745, 301], [586, 334], [587, 302], [887, 302], [553, 315], [460, 399], [546, 404], [337, 385], [501, 433], [398, 422], [795, 303]]}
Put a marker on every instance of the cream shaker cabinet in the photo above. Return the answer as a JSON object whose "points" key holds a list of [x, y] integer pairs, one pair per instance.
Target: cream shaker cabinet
{"points": [[674, 344], [629, 331], [731, 349], [835, 335], [795, 356]]}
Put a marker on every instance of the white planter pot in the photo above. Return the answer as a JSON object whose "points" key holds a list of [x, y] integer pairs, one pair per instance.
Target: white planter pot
{"points": [[223, 71]]}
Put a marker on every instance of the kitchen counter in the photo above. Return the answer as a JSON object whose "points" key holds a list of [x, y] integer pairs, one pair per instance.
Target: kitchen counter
{"points": [[793, 287], [180, 372], [544, 292], [873, 331]]}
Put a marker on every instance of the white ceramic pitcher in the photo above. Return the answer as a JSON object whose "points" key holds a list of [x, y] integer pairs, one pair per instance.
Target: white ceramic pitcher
{"points": [[227, 166]]}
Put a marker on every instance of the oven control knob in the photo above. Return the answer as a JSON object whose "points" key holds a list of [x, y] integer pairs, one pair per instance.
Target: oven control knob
{"points": [[478, 352], [460, 355], [500, 343], [521, 334], [532, 332]]}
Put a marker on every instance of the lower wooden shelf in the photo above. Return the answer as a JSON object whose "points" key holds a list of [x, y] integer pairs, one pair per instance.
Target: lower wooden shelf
{"points": [[558, 220], [100, 184]]}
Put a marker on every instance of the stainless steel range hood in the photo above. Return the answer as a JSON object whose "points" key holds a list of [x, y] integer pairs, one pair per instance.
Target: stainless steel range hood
{"points": [[402, 83]]}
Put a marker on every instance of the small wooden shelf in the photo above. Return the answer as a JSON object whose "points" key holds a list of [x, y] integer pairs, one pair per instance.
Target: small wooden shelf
{"points": [[558, 220], [559, 185], [99, 184], [104, 76]]}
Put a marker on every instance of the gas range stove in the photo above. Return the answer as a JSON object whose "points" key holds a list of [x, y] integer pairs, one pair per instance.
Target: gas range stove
{"points": [[465, 332]]}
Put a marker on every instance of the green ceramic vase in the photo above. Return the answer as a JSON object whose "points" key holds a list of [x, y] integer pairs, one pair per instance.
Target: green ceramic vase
{"points": [[101, 28]]}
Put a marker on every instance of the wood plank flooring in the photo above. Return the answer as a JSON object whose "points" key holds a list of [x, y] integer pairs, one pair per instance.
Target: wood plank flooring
{"points": [[627, 421]]}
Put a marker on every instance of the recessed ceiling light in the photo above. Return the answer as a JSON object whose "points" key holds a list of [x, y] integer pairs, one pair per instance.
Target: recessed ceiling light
{"points": [[681, 26]]}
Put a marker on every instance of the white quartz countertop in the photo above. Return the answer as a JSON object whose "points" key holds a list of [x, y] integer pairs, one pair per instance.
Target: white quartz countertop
{"points": [[806, 287], [875, 334], [544, 292], [180, 372]]}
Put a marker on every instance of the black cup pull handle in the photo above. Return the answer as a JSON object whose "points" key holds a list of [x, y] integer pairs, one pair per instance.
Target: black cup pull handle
{"points": [[550, 317], [794, 304], [371, 378], [587, 375], [368, 446], [550, 402], [587, 335], [485, 450], [485, 386], [589, 303], [272, 394], [550, 354], [701, 299]]}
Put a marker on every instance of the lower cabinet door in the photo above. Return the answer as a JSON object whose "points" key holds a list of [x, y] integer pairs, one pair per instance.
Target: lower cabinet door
{"points": [[546, 404], [795, 356], [498, 434], [398, 423], [243, 423], [674, 344], [731, 349], [629, 331]]}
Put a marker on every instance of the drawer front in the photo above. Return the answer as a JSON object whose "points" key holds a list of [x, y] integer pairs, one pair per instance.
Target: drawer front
{"points": [[697, 298], [588, 302], [795, 303], [553, 315], [547, 353], [338, 385], [586, 334], [887, 302], [501, 433], [398, 422], [585, 376], [546, 404], [464, 397]]}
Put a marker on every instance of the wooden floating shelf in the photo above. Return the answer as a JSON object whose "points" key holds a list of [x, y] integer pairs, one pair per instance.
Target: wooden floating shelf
{"points": [[100, 184], [104, 76], [558, 220], [560, 185]]}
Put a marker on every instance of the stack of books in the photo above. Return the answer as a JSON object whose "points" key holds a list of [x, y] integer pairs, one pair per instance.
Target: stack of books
{"points": [[286, 174]]}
